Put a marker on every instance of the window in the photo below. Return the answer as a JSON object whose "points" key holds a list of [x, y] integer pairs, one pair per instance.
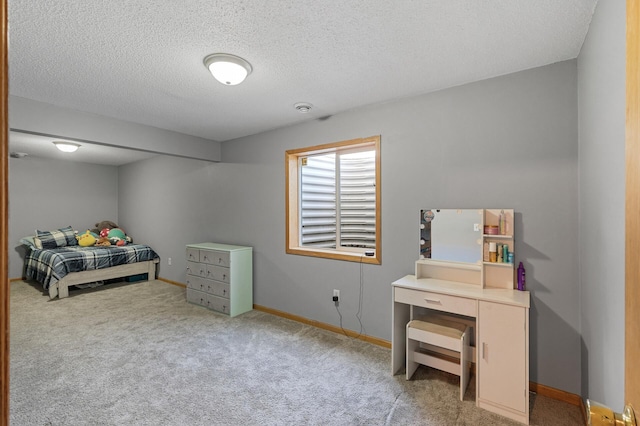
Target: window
{"points": [[333, 200]]}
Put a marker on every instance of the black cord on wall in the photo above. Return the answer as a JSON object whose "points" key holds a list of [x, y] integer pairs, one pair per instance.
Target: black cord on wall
{"points": [[360, 303]]}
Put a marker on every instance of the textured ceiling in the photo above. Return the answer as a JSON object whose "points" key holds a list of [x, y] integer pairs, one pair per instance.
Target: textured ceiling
{"points": [[141, 61]]}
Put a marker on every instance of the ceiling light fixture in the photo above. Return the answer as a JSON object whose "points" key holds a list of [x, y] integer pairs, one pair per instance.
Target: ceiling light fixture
{"points": [[303, 107], [228, 69], [66, 146]]}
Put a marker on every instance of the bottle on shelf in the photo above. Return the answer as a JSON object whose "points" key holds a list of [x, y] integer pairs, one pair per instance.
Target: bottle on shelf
{"points": [[521, 278], [493, 252], [502, 223]]}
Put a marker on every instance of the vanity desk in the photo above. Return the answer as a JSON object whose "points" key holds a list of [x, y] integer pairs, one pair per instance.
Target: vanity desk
{"points": [[483, 299]]}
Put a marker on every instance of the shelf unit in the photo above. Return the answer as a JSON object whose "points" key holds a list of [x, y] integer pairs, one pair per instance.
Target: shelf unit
{"points": [[495, 274], [484, 274]]}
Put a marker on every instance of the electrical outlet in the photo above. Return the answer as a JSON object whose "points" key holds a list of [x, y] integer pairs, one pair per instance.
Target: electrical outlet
{"points": [[336, 295], [169, 260]]}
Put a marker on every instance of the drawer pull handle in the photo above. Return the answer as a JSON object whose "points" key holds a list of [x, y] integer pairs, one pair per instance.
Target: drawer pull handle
{"points": [[428, 300]]}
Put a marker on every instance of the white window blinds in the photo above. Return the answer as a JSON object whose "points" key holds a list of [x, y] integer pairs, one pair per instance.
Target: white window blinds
{"points": [[342, 218]]}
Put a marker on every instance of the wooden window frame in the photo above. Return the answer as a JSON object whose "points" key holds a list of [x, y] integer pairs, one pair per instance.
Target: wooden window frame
{"points": [[292, 225]]}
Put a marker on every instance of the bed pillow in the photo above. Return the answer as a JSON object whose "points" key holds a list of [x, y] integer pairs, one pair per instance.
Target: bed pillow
{"points": [[59, 238], [30, 242]]}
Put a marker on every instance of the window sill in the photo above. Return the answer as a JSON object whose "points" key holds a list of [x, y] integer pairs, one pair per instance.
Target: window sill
{"points": [[348, 256]]}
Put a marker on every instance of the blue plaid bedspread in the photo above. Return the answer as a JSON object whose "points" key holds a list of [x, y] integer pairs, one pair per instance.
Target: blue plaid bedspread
{"points": [[49, 266]]}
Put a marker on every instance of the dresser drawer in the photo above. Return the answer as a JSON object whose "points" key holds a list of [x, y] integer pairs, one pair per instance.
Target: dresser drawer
{"points": [[218, 273], [204, 285], [217, 303], [217, 288], [208, 300], [193, 255], [437, 301], [195, 268], [197, 297], [196, 283], [213, 257]]}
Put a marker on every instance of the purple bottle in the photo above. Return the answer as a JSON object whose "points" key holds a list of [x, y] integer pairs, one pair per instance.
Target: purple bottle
{"points": [[521, 278]]}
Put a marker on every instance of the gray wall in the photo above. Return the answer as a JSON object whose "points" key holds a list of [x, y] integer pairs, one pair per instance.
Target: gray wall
{"points": [[39, 117], [506, 142], [601, 94], [170, 202], [51, 194]]}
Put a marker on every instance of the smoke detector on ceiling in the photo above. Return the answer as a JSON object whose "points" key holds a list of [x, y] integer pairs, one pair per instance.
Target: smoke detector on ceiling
{"points": [[18, 154], [303, 107]]}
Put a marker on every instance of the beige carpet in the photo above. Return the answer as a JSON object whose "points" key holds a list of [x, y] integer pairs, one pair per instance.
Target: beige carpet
{"points": [[138, 354]]}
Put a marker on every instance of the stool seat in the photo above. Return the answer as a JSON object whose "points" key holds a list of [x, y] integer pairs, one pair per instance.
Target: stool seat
{"points": [[444, 333], [439, 325]]}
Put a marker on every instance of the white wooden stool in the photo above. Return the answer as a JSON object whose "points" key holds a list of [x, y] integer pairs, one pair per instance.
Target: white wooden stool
{"points": [[443, 333]]}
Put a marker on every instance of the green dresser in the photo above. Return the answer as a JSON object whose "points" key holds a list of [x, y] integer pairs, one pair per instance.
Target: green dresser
{"points": [[220, 277]]}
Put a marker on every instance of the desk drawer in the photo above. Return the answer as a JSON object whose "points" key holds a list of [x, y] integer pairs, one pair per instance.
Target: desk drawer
{"points": [[438, 301]]}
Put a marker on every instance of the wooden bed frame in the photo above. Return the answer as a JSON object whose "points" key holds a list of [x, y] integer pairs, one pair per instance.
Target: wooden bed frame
{"points": [[61, 288]]}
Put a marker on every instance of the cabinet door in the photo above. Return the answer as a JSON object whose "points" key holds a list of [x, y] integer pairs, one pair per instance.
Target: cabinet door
{"points": [[502, 355]]}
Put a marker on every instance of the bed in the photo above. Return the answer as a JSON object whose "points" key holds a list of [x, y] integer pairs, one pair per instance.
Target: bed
{"points": [[65, 265]]}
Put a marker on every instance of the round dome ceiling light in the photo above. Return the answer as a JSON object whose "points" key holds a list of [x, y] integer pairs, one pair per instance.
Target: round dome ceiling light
{"points": [[228, 69], [66, 146], [303, 107]]}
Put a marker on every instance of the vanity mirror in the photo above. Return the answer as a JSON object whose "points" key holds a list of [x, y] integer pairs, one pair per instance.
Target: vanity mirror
{"points": [[453, 235], [473, 246]]}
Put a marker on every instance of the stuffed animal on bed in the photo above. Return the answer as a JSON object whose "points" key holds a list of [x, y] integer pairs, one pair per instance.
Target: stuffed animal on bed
{"points": [[118, 237], [105, 224], [103, 241], [87, 239]]}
